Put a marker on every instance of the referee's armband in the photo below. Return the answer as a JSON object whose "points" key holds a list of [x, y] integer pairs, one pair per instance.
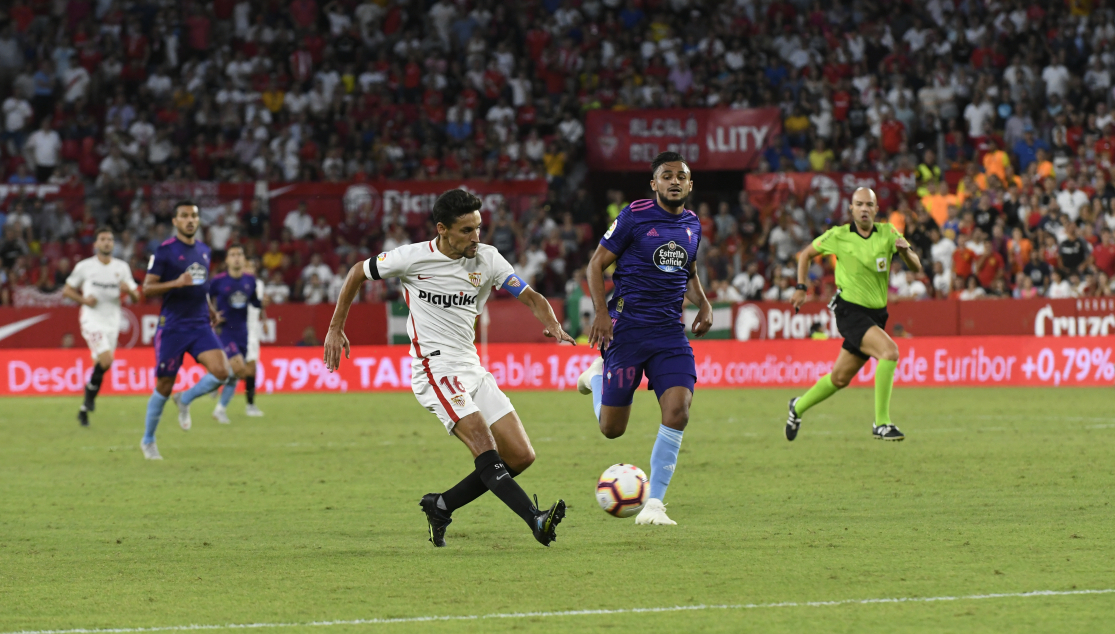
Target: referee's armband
{"points": [[371, 271], [514, 284]]}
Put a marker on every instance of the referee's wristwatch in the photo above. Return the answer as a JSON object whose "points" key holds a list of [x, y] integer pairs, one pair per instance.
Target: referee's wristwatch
{"points": [[802, 287]]}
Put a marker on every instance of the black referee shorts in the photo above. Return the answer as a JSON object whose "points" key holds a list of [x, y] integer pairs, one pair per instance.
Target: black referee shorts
{"points": [[853, 321]]}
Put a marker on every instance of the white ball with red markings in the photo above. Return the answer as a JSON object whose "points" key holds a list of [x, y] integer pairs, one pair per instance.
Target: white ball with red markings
{"points": [[622, 490]]}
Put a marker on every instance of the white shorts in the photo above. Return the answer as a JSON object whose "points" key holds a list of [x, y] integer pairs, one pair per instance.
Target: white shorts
{"points": [[453, 391], [252, 353], [100, 340]]}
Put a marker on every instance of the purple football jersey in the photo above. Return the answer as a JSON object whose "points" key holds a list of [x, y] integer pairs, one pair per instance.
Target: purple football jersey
{"points": [[655, 249], [185, 306], [233, 295]]}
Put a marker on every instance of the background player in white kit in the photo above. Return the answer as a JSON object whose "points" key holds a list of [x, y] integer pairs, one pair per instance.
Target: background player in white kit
{"points": [[255, 331], [96, 283], [445, 283]]}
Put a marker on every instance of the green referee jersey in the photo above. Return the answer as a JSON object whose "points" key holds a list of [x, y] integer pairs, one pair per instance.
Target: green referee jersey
{"points": [[862, 264]]}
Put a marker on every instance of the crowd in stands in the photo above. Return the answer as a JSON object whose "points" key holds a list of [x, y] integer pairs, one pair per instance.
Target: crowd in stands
{"points": [[121, 94]]}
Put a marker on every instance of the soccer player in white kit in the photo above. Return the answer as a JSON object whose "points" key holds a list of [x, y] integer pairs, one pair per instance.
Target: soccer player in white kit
{"points": [[446, 282], [255, 331], [96, 283]]}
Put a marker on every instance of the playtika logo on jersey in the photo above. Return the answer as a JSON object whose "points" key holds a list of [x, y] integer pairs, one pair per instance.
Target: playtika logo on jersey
{"points": [[447, 300]]}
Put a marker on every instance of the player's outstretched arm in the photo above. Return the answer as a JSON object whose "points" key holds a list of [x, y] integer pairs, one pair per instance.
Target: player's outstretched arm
{"points": [[152, 286], [695, 293], [601, 333], [804, 258], [335, 339], [544, 313]]}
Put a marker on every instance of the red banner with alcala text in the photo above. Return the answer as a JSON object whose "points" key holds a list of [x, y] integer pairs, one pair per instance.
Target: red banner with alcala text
{"points": [[708, 138]]}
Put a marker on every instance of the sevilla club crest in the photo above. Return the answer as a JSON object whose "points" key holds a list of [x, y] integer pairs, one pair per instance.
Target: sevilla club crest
{"points": [[474, 279]]}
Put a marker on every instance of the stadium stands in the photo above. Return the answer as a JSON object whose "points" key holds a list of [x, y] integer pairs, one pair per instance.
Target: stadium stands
{"points": [[986, 127]]}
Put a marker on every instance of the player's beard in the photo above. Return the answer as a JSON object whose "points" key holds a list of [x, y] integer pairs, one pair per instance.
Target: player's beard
{"points": [[663, 201]]}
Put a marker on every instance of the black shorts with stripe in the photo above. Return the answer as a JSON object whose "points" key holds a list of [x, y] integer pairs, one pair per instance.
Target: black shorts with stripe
{"points": [[853, 321]]}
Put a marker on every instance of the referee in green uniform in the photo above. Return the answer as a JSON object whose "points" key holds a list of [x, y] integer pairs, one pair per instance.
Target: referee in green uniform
{"points": [[863, 251]]}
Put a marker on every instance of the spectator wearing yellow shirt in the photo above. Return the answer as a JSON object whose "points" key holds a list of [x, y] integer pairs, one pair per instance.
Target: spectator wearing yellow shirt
{"points": [[554, 161], [273, 97], [273, 258], [820, 156], [795, 126]]}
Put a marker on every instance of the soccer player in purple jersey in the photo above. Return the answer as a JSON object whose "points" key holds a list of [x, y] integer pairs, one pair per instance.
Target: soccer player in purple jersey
{"points": [[233, 291], [654, 245], [185, 321]]}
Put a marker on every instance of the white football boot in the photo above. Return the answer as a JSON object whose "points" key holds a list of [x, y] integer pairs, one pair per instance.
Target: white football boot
{"points": [[150, 451], [183, 412], [584, 382], [221, 415], [253, 411], [654, 513]]}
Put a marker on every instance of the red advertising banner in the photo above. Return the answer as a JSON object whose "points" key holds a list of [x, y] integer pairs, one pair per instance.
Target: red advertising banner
{"points": [[939, 318], [72, 197], [285, 325], [511, 322], [408, 201], [708, 138], [935, 361]]}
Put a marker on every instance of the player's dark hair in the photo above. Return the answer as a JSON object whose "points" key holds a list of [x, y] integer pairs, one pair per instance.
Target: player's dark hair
{"points": [[103, 229], [235, 246], [183, 203], [453, 204], [666, 157]]}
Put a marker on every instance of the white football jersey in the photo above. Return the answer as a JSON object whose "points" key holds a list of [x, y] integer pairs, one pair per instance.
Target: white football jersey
{"points": [[97, 279], [444, 295]]}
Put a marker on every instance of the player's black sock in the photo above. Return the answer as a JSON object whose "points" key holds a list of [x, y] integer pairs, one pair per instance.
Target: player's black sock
{"points": [[93, 386], [499, 481], [465, 491], [250, 389]]}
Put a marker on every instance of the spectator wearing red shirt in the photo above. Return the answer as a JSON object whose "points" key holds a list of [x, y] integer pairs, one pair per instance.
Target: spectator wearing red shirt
{"points": [[892, 133], [315, 44], [21, 15], [303, 13], [1103, 254], [198, 28], [841, 103], [301, 65]]}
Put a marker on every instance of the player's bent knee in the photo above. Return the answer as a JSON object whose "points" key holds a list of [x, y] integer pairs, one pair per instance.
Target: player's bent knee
{"points": [[520, 462], [676, 418], [840, 382], [220, 373], [890, 353]]}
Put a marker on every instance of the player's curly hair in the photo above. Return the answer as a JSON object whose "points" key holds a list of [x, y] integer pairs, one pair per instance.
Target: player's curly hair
{"points": [[666, 157], [453, 204]]}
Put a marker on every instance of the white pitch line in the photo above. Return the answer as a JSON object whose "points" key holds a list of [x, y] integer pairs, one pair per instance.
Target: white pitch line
{"points": [[602, 612]]}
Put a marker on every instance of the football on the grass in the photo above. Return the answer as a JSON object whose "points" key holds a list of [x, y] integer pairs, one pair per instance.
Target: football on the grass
{"points": [[622, 490]]}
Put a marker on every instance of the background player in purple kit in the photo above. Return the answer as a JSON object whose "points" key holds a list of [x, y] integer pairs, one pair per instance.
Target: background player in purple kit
{"points": [[654, 245], [232, 292], [185, 321]]}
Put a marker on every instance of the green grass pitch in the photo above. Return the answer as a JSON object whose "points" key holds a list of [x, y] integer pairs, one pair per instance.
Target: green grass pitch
{"points": [[310, 514]]}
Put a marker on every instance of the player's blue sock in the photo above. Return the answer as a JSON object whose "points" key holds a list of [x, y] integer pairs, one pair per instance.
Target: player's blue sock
{"points": [[663, 459], [597, 383], [229, 391], [207, 384], [154, 412]]}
